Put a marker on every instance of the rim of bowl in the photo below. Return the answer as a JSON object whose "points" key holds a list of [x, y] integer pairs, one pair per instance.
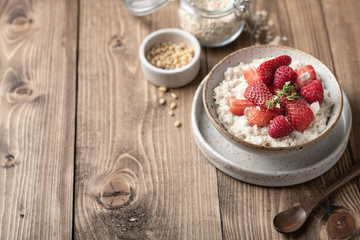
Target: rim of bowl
{"points": [[182, 33], [222, 129]]}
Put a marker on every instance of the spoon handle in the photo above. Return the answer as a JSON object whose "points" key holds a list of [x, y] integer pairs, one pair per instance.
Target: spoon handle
{"points": [[352, 173]]}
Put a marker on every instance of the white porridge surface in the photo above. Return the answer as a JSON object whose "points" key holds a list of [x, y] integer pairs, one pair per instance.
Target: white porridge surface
{"points": [[234, 85]]}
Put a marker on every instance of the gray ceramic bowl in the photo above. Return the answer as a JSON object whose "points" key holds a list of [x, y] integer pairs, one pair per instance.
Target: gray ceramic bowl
{"points": [[246, 55], [170, 78]]}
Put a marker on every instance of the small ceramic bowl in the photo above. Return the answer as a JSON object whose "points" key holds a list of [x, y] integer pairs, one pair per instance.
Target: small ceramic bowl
{"points": [[170, 78], [246, 55]]}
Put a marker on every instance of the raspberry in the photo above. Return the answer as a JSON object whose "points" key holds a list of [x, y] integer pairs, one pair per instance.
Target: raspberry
{"points": [[313, 92], [279, 127], [284, 74]]}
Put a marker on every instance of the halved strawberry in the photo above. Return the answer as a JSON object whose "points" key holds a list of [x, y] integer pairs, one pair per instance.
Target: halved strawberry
{"points": [[261, 116], [259, 93], [237, 106], [298, 113], [305, 75], [267, 69], [251, 75], [313, 92], [279, 127]]}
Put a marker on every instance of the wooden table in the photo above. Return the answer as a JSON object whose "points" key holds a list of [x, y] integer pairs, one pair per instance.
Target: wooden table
{"points": [[88, 153]]}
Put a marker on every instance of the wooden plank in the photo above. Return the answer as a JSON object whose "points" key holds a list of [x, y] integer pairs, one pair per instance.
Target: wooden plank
{"points": [[137, 176], [342, 24], [247, 210], [37, 105]]}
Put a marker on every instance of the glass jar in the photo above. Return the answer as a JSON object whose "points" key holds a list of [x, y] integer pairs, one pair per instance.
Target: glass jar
{"points": [[144, 7], [214, 23]]}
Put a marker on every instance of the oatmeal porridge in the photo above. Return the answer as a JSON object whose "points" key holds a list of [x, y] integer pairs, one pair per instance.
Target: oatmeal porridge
{"points": [[234, 85]]}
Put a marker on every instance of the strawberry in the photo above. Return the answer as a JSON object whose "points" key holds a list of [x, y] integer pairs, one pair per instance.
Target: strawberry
{"points": [[298, 113], [305, 75], [313, 92], [259, 93], [279, 127], [284, 74], [237, 106], [261, 116], [267, 69], [251, 75]]}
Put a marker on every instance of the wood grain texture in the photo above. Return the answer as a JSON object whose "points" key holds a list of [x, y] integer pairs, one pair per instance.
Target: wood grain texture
{"points": [[248, 210], [137, 176], [344, 39], [37, 105]]}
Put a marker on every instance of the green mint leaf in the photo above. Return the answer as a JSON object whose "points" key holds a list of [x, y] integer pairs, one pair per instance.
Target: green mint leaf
{"points": [[270, 103], [288, 91]]}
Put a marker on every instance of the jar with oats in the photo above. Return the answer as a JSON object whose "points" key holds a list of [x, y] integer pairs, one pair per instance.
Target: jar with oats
{"points": [[214, 23]]}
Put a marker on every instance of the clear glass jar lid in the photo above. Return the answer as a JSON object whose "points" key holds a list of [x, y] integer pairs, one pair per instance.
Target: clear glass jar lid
{"points": [[144, 7]]}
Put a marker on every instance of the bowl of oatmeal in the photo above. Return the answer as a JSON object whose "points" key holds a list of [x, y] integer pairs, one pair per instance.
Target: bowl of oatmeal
{"points": [[247, 105]]}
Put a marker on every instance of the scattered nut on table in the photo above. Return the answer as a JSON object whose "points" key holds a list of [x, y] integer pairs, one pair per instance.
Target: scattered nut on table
{"points": [[162, 89], [174, 96], [162, 101], [173, 105], [171, 113], [177, 124]]}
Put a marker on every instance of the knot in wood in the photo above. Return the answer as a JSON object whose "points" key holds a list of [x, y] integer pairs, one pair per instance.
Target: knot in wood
{"points": [[23, 90], [116, 192], [20, 93], [340, 225], [10, 161], [10, 157], [116, 43], [18, 18], [20, 24]]}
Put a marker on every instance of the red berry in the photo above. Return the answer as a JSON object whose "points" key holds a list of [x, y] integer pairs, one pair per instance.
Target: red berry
{"points": [[251, 75], [237, 106], [305, 75], [267, 69], [260, 116], [279, 127], [299, 114], [259, 93], [313, 92], [275, 91], [284, 74]]}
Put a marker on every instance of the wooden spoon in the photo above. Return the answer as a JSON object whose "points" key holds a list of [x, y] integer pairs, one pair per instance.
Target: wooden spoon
{"points": [[293, 218]]}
